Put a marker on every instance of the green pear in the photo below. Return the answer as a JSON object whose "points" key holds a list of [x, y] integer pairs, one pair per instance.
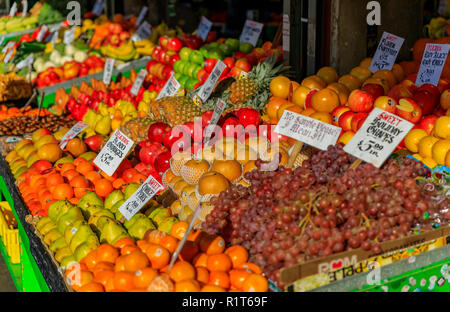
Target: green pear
{"points": [[166, 224], [72, 229], [118, 215], [68, 261], [159, 214], [129, 223], [62, 253], [41, 223], [89, 156], [74, 214], [20, 171], [84, 249], [113, 198], [64, 160], [103, 126], [93, 220], [140, 227], [111, 230], [52, 236], [32, 159], [116, 206], [48, 227], [58, 208], [83, 233], [130, 189], [58, 244], [101, 222], [92, 210], [88, 200]]}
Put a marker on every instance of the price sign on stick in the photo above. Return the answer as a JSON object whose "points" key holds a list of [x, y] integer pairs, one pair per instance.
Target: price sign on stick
{"points": [[114, 152], [205, 91], [432, 64], [107, 73], [170, 88], [386, 53], [251, 32], [308, 130], [143, 32], [141, 15], [26, 62], [42, 33], [378, 137], [98, 7], [204, 28], [143, 194], [69, 35], [138, 82], [8, 46], [13, 10], [218, 110], [24, 7], [286, 32], [72, 133], [8, 56]]}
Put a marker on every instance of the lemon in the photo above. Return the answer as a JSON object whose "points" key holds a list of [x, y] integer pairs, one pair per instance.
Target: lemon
{"points": [[426, 145], [413, 138], [440, 150], [442, 127]]}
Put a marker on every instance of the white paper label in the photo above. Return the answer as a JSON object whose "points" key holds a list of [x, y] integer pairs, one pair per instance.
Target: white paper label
{"points": [[378, 137], [13, 10], [205, 91], [24, 7], [138, 82], [69, 35], [143, 32], [8, 46], [72, 133], [107, 72], [143, 194], [204, 28], [141, 15], [170, 88], [98, 7], [218, 110], [42, 33], [432, 64], [286, 32], [9, 55], [386, 53], [26, 62], [114, 152], [251, 32], [308, 130]]}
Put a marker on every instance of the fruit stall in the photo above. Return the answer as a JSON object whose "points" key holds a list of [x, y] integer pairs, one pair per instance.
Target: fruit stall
{"points": [[142, 158]]}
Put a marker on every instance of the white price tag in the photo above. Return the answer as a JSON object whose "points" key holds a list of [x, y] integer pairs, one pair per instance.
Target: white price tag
{"points": [[251, 32], [218, 110], [42, 33], [204, 28], [432, 64], [72, 133], [26, 62], [69, 35], [24, 8], [286, 32], [386, 53], [144, 31], [141, 15], [378, 137], [98, 7], [138, 83], [308, 130], [143, 194], [205, 91], [8, 56], [13, 10], [114, 152], [8, 46], [107, 72], [170, 88]]}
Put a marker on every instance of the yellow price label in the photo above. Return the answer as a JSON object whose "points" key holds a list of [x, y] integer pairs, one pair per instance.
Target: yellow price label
{"points": [[197, 100], [243, 75]]}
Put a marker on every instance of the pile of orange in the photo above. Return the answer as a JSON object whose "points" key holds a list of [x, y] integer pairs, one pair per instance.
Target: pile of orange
{"points": [[204, 264], [9, 112]]}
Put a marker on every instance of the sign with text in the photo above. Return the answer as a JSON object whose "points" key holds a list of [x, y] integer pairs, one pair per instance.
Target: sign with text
{"points": [[8, 46], [114, 152], [308, 130], [141, 15], [251, 32], [24, 7], [378, 137], [218, 110], [72, 133], [69, 35], [170, 88], [432, 64], [138, 82], [204, 28], [26, 62], [8, 56], [98, 7], [286, 32], [107, 72], [143, 194], [42, 32], [386, 53], [144, 31], [13, 10], [205, 91]]}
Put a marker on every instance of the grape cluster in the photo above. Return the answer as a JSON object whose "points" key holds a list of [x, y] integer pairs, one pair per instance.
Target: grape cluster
{"points": [[290, 216]]}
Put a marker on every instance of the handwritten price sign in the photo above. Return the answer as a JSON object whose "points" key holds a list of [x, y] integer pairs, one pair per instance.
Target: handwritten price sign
{"points": [[144, 31], [251, 32], [386, 53], [378, 137], [69, 35], [72, 133], [204, 28], [114, 152], [432, 64], [98, 7]]}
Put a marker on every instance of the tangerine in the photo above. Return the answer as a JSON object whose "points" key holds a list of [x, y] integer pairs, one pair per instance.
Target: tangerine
{"points": [[92, 176], [103, 276], [237, 277], [79, 182], [158, 256], [211, 244], [170, 243], [251, 267], [92, 287], [161, 283], [123, 242], [218, 262], [124, 281], [179, 229], [238, 255], [212, 288], [70, 174], [182, 270], [255, 283], [90, 260], [187, 286], [120, 264], [200, 260], [144, 276], [219, 278], [103, 187], [126, 250], [135, 261], [53, 180], [202, 275], [62, 192], [107, 253], [84, 168]]}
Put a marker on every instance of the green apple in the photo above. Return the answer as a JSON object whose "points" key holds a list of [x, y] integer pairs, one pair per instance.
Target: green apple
{"points": [[184, 53], [178, 75], [214, 45], [176, 66], [216, 53], [233, 44], [197, 57], [183, 80], [191, 70], [226, 50], [246, 47], [190, 83], [205, 50]]}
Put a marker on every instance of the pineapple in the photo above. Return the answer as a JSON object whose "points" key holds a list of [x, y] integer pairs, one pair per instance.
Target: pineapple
{"points": [[175, 110], [137, 129]]}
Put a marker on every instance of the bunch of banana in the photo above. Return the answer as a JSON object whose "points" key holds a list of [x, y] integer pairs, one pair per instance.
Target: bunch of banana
{"points": [[144, 47], [126, 52], [437, 28]]}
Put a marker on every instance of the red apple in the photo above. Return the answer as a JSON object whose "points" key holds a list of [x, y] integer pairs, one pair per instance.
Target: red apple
{"points": [[176, 139], [337, 113], [244, 64], [202, 75], [248, 116], [210, 64], [431, 88], [195, 130], [386, 103], [231, 127], [360, 101], [236, 72], [94, 143], [229, 61], [163, 41], [358, 120], [427, 123], [374, 89], [149, 151], [345, 121], [410, 85], [412, 77], [41, 165], [174, 44], [426, 100], [206, 118], [408, 109], [399, 91], [162, 162], [156, 131]]}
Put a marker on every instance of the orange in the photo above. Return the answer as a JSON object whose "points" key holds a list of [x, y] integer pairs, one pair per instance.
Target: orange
{"points": [[138, 289], [76, 281], [219, 262], [361, 73], [103, 187], [238, 255], [289, 107], [124, 281], [386, 75], [119, 184], [120, 264], [251, 267], [200, 260], [103, 276], [182, 270], [442, 127], [323, 117], [158, 256], [107, 177], [413, 138], [351, 82], [74, 201], [92, 176], [299, 96], [78, 161], [202, 275], [187, 286], [107, 253], [219, 278], [308, 112], [328, 74], [79, 181], [136, 260], [237, 278], [62, 192], [50, 152], [126, 250], [161, 283], [102, 266], [123, 242], [70, 174], [212, 288], [170, 243], [84, 168], [366, 63], [179, 229], [53, 180], [92, 287], [66, 166], [279, 87], [426, 146], [341, 91], [314, 83], [81, 191], [155, 236], [144, 276], [440, 150], [255, 283], [90, 260], [273, 105], [139, 178], [211, 244], [325, 100]]}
